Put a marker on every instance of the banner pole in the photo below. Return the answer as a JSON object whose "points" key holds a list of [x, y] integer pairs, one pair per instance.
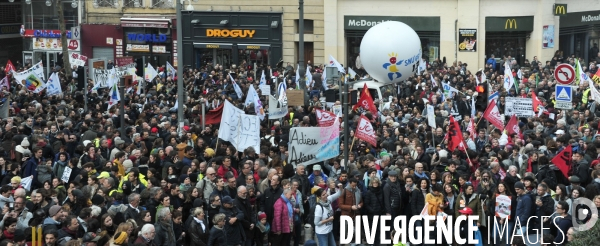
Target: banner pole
{"points": [[352, 145]]}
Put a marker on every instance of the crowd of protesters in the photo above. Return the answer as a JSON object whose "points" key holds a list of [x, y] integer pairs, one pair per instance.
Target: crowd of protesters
{"points": [[160, 185]]}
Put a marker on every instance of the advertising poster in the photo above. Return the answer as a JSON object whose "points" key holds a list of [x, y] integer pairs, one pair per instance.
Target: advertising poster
{"points": [[548, 37], [467, 40]]}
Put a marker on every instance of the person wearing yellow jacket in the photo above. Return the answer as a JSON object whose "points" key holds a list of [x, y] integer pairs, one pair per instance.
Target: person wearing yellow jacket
{"points": [[119, 159], [133, 182]]}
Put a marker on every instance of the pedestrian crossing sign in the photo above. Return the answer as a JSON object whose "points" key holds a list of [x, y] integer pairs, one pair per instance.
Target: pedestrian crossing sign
{"points": [[564, 93]]}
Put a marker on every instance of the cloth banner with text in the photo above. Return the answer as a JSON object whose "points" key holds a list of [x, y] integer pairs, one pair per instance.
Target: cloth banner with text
{"points": [[241, 130], [309, 145], [32, 78], [365, 131]]}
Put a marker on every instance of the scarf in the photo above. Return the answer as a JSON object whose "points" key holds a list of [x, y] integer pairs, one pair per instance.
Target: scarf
{"points": [[8, 235], [289, 206], [170, 233], [424, 175]]}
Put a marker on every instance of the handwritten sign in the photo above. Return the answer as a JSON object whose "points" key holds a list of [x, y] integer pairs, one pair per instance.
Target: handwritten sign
{"points": [[295, 97], [66, 174], [309, 145], [242, 130], [265, 90], [337, 110], [276, 109]]}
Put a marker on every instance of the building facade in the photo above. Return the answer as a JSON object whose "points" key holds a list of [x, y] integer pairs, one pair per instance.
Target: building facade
{"points": [[468, 30]]}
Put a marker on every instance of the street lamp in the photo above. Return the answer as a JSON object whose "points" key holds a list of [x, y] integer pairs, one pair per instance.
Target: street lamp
{"points": [[74, 4], [48, 3]]}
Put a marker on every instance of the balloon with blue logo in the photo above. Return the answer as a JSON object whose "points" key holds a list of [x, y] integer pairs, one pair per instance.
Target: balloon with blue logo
{"points": [[390, 52]]}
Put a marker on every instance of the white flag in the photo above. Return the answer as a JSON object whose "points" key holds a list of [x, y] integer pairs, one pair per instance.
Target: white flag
{"points": [[352, 73], [236, 87], [297, 75], [174, 108], [53, 85], [171, 70], [308, 76], [431, 116], [253, 97], [508, 77], [263, 80], [150, 73], [594, 94], [519, 74], [334, 62], [114, 95]]}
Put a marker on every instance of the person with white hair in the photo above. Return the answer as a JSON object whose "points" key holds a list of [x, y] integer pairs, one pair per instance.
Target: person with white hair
{"points": [[146, 235], [164, 234]]}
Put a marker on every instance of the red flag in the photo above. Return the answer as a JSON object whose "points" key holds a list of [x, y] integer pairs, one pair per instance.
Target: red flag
{"points": [[471, 129], [366, 101], [325, 118], [513, 126], [213, 116], [493, 116], [365, 131], [563, 159], [455, 138], [536, 102], [9, 68]]}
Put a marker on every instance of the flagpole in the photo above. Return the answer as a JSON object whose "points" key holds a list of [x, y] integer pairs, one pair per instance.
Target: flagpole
{"points": [[352, 145], [122, 104], [203, 113]]}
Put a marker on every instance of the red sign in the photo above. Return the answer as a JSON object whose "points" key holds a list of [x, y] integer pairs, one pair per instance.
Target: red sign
{"points": [[123, 61], [564, 74]]}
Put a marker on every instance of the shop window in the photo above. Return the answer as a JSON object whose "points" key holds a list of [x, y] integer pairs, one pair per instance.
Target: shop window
{"points": [[309, 52], [502, 44], [308, 26], [163, 4]]}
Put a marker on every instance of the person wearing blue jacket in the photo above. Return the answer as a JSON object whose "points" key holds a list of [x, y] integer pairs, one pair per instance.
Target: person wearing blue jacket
{"points": [[30, 166], [564, 223], [523, 207]]}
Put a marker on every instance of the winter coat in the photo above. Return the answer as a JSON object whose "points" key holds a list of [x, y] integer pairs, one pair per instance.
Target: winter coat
{"points": [[59, 168], [217, 237], [374, 201], [162, 237], [44, 173], [269, 197], [348, 199], [281, 220], [235, 232], [417, 202], [474, 203], [196, 236], [244, 206], [392, 196], [546, 174]]}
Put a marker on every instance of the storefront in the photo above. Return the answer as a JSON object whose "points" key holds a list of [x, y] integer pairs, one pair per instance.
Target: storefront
{"points": [[46, 46], [428, 29], [508, 36], [228, 38], [579, 33], [147, 40]]}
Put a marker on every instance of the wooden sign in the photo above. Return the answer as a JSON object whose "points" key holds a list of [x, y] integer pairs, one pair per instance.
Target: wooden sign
{"points": [[295, 97]]}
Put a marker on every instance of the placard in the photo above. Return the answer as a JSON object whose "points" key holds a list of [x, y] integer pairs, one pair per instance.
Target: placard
{"points": [[503, 206], [337, 110], [295, 97], [522, 107], [309, 145], [66, 174], [77, 59], [265, 90], [242, 130], [123, 61]]}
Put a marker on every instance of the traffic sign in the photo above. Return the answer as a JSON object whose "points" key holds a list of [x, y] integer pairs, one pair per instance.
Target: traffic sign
{"points": [[564, 74], [563, 105], [564, 93]]}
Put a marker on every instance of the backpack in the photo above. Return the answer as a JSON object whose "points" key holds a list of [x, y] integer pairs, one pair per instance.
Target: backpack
{"points": [[311, 215]]}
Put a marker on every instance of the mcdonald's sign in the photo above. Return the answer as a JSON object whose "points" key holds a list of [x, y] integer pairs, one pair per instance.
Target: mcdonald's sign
{"points": [[509, 24], [560, 9]]}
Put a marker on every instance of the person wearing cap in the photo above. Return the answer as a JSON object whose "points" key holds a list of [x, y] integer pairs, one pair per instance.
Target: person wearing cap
{"points": [[55, 217], [234, 218], [524, 205], [392, 194], [317, 172], [575, 184], [119, 147]]}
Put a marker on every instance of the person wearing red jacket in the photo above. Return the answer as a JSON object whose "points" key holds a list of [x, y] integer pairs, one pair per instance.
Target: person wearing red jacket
{"points": [[226, 167]]}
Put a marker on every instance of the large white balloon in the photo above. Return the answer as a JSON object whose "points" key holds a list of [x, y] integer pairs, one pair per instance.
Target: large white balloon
{"points": [[390, 52]]}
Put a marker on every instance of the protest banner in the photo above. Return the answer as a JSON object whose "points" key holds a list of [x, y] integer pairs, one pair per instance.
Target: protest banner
{"points": [[276, 109], [53, 85], [365, 131], [309, 145], [295, 97], [77, 59], [32, 78], [240, 129], [337, 110], [325, 118], [518, 106]]}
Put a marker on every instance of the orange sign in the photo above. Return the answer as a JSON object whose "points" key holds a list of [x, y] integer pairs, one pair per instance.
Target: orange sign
{"points": [[224, 33]]}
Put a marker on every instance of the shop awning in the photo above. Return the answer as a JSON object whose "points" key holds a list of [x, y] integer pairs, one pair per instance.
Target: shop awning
{"points": [[145, 22], [213, 45], [254, 46]]}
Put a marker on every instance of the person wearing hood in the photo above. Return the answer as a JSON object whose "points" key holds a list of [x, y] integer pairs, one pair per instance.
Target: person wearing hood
{"points": [[324, 216]]}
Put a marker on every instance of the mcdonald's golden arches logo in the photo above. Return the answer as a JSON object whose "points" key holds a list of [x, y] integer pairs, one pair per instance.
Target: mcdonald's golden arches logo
{"points": [[560, 9], [509, 23]]}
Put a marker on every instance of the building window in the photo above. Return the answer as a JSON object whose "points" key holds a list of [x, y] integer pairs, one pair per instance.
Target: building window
{"points": [[133, 3], [502, 44], [308, 26], [106, 3], [166, 4], [309, 52]]}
